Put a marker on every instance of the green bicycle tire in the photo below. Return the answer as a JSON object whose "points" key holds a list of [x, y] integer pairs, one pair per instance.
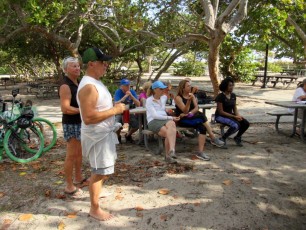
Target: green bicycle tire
{"points": [[50, 134], [15, 149]]}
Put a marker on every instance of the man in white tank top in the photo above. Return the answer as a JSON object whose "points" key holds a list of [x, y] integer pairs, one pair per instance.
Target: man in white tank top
{"points": [[98, 129]]}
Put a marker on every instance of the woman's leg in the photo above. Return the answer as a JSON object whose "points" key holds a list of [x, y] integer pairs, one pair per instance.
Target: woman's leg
{"points": [[201, 140], [69, 163], [209, 130], [78, 162], [233, 125], [169, 132], [244, 125]]}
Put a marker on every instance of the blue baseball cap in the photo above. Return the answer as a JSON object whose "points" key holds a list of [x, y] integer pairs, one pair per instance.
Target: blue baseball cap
{"points": [[125, 81], [158, 84]]}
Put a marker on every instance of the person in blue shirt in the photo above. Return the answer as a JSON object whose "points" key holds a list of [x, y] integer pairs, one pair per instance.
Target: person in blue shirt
{"points": [[129, 97]]}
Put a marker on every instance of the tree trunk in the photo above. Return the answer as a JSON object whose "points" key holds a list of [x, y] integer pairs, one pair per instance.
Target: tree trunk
{"points": [[138, 61], [213, 64]]}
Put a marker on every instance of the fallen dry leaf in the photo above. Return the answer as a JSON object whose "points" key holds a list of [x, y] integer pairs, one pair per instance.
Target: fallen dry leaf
{"points": [[22, 174], [164, 191], [194, 157], [119, 197], [2, 194], [61, 172], [6, 224], [23, 168], [246, 181], [47, 193], [25, 217], [197, 204], [164, 217], [61, 226], [227, 182], [59, 182], [60, 196], [71, 215], [139, 208]]}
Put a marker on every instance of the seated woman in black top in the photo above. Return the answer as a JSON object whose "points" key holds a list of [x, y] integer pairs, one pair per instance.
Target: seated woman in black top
{"points": [[186, 107], [227, 113]]}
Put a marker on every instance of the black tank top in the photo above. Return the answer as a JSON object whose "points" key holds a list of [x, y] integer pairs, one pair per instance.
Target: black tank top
{"points": [[178, 111], [75, 118]]}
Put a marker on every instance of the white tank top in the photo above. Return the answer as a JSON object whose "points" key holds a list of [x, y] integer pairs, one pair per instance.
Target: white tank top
{"points": [[104, 102]]}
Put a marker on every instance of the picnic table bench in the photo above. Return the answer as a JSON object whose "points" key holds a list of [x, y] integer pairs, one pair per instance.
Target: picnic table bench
{"points": [[291, 105], [288, 72], [44, 90], [284, 79]]}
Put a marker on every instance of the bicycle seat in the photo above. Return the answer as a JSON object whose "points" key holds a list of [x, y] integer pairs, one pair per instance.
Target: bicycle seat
{"points": [[27, 113]]}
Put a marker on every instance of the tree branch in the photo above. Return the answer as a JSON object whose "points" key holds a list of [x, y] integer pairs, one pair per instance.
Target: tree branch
{"points": [[209, 14], [216, 7], [108, 38], [188, 38], [227, 12], [131, 48], [298, 29], [237, 18]]}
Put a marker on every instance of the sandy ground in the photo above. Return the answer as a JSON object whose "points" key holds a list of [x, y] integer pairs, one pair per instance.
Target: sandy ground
{"points": [[259, 186]]}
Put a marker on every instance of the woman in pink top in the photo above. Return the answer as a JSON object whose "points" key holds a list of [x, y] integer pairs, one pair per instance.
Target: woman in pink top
{"points": [[143, 95]]}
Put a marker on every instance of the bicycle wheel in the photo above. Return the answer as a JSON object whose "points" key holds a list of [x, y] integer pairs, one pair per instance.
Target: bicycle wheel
{"points": [[48, 131], [23, 144]]}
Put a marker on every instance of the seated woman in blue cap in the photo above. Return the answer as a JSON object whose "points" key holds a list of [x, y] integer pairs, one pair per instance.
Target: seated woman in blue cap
{"points": [[127, 96], [158, 120]]}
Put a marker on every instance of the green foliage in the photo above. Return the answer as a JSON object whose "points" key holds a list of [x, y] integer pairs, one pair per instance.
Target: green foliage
{"points": [[190, 66], [111, 85], [5, 70], [244, 65], [187, 68]]}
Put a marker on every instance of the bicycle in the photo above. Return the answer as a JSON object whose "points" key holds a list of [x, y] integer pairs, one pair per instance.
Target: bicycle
{"points": [[45, 126], [20, 138]]}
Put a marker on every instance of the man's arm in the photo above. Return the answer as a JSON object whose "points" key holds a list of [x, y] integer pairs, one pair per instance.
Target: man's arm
{"points": [[135, 99], [88, 97]]}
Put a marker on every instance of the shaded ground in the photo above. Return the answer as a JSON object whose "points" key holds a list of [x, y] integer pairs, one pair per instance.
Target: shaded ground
{"points": [[260, 186]]}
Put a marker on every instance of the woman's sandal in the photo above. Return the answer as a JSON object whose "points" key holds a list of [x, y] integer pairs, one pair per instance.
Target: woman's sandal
{"points": [[86, 179], [77, 193]]}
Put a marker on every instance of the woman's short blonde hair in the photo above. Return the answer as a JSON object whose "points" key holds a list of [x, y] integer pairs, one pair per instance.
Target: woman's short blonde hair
{"points": [[67, 60]]}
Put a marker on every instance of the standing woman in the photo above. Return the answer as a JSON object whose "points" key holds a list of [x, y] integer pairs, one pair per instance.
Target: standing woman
{"points": [[158, 120], [227, 112], [71, 121]]}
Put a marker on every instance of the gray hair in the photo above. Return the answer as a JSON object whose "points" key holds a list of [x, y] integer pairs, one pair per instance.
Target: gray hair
{"points": [[68, 60]]}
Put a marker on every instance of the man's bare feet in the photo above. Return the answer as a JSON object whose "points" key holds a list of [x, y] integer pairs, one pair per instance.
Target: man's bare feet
{"points": [[100, 215]]}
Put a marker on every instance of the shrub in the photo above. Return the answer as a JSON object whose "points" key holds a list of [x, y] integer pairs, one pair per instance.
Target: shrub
{"points": [[187, 68]]}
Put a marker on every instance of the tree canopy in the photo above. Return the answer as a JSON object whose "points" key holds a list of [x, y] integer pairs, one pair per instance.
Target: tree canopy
{"points": [[37, 31]]}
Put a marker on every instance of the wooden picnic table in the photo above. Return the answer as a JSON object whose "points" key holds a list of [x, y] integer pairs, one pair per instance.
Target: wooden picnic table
{"points": [[44, 90], [285, 79], [296, 106], [274, 79], [6, 78]]}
